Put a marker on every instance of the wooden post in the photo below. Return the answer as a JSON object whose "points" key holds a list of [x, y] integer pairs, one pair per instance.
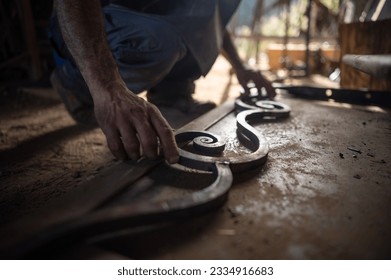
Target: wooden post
{"points": [[31, 39]]}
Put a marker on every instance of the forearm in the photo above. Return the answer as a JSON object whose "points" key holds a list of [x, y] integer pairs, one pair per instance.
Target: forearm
{"points": [[230, 53], [130, 123], [82, 27], [245, 74]]}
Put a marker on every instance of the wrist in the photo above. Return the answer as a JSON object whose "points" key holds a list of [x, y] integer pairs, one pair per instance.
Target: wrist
{"points": [[108, 92]]}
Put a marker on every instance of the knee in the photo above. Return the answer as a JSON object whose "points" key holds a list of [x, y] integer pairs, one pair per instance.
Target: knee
{"points": [[146, 49], [148, 44], [130, 32]]}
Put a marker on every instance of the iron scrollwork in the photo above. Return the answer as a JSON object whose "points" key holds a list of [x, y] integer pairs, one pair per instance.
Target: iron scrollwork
{"points": [[212, 146], [209, 158]]}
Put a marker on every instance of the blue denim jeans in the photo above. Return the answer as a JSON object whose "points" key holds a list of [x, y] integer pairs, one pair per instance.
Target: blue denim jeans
{"points": [[148, 52]]}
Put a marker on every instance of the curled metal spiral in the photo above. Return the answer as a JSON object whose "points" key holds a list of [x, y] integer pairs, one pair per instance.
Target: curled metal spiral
{"points": [[250, 137], [139, 214], [205, 142]]}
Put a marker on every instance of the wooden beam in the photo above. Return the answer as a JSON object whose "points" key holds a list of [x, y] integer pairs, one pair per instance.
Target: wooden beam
{"points": [[31, 39]]}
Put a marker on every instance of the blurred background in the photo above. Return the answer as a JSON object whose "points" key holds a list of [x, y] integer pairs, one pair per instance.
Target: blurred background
{"points": [[288, 38]]}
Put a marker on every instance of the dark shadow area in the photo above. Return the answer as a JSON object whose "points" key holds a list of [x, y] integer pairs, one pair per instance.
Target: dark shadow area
{"points": [[18, 100], [36, 145], [153, 243]]}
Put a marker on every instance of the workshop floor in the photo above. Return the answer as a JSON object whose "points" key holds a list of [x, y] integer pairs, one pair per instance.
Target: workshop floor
{"points": [[44, 153], [324, 192]]}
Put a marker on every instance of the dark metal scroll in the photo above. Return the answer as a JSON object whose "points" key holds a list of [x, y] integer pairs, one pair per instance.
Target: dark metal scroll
{"points": [[142, 214], [247, 135]]}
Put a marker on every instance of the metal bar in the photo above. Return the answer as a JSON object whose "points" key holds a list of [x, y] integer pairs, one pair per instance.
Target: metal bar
{"points": [[367, 97], [209, 119], [377, 65]]}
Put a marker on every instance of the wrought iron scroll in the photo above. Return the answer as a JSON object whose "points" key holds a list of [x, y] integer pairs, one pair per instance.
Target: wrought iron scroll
{"points": [[250, 137], [140, 214]]}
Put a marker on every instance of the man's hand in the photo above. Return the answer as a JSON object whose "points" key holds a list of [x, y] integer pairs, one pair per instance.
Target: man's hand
{"points": [[134, 127], [246, 75]]}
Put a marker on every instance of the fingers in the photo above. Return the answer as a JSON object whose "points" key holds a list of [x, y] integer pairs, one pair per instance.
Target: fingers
{"points": [[136, 133], [157, 128], [271, 93], [133, 127], [130, 142], [114, 143], [147, 127], [261, 82], [148, 139], [166, 137]]}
